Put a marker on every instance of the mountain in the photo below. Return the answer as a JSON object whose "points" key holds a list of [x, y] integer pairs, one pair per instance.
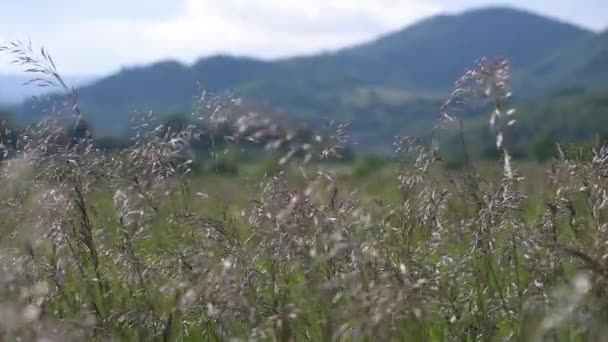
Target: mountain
{"points": [[425, 57], [433, 53], [582, 64], [392, 85]]}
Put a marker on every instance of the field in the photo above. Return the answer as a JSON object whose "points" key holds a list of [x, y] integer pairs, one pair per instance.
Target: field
{"points": [[144, 243]]}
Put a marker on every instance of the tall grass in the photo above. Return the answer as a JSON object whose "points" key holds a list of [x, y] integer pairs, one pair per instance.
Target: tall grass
{"points": [[129, 246]]}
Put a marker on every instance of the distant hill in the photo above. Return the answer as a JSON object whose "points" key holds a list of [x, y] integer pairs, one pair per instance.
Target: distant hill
{"points": [[385, 87], [433, 53], [582, 64]]}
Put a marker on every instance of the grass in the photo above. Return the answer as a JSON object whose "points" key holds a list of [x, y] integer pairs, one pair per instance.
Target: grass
{"points": [[134, 245]]}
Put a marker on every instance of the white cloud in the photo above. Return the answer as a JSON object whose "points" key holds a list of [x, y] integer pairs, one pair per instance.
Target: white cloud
{"points": [[264, 28], [273, 28], [101, 36]]}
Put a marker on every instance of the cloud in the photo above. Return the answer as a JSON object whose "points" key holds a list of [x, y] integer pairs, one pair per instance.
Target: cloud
{"points": [[296, 16], [98, 37], [194, 28], [273, 28]]}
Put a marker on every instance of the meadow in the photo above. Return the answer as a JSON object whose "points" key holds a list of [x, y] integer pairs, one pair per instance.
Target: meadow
{"points": [[143, 244]]}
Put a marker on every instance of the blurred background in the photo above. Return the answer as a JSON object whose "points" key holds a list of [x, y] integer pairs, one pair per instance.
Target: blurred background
{"points": [[291, 170], [384, 67]]}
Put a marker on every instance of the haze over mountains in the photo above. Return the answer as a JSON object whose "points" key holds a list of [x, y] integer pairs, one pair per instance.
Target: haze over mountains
{"points": [[13, 89], [384, 87]]}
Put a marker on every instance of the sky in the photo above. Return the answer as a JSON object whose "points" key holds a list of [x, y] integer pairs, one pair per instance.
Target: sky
{"points": [[99, 37]]}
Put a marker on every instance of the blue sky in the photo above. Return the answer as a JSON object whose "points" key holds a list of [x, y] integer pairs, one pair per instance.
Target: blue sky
{"points": [[98, 37]]}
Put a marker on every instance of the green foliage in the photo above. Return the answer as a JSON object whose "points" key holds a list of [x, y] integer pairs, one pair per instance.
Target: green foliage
{"points": [[565, 119], [211, 257], [368, 164], [269, 166], [79, 130], [7, 119], [572, 119], [543, 147], [581, 151], [223, 165], [174, 123], [9, 132], [112, 143]]}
